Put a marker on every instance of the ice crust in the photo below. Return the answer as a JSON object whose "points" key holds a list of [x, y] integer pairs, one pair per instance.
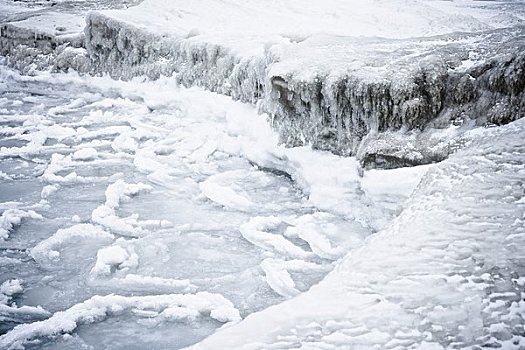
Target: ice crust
{"points": [[438, 265], [335, 74], [166, 308], [340, 77]]}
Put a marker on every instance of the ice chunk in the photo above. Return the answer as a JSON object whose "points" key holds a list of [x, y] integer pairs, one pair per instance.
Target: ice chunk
{"points": [[279, 278], [169, 307], [13, 217], [224, 195], [11, 287], [50, 247], [87, 153], [114, 257], [48, 190], [256, 231], [106, 215]]}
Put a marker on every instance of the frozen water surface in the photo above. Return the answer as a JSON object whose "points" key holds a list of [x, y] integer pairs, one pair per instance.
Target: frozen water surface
{"points": [[142, 214], [139, 213]]}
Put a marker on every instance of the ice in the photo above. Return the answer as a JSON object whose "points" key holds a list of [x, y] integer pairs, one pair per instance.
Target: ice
{"points": [[278, 277], [87, 153], [10, 287], [48, 191], [427, 280], [168, 211], [13, 217], [165, 308], [50, 247], [224, 195], [256, 232], [114, 257], [130, 218], [349, 77], [105, 214]]}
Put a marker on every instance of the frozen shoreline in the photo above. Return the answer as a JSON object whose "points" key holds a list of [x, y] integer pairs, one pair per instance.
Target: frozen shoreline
{"points": [[143, 212], [358, 89]]}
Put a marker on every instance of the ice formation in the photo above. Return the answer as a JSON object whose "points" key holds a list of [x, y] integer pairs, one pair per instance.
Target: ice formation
{"points": [[155, 211], [323, 81], [343, 77], [433, 279]]}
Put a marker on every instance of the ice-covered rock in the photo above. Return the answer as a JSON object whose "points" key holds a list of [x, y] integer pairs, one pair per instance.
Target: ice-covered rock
{"points": [[331, 76], [324, 81]]}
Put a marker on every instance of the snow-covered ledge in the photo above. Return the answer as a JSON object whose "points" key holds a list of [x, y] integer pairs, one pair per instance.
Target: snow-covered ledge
{"points": [[356, 77], [335, 74]]}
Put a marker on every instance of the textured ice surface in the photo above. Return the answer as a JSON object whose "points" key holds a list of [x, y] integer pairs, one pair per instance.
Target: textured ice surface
{"points": [[115, 194], [447, 273]]}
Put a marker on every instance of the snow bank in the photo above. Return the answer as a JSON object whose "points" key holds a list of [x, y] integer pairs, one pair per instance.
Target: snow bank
{"points": [[170, 307], [331, 75], [447, 273]]}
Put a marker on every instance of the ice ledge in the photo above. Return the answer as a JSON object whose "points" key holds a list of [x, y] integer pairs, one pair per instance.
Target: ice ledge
{"points": [[333, 92], [338, 87]]}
